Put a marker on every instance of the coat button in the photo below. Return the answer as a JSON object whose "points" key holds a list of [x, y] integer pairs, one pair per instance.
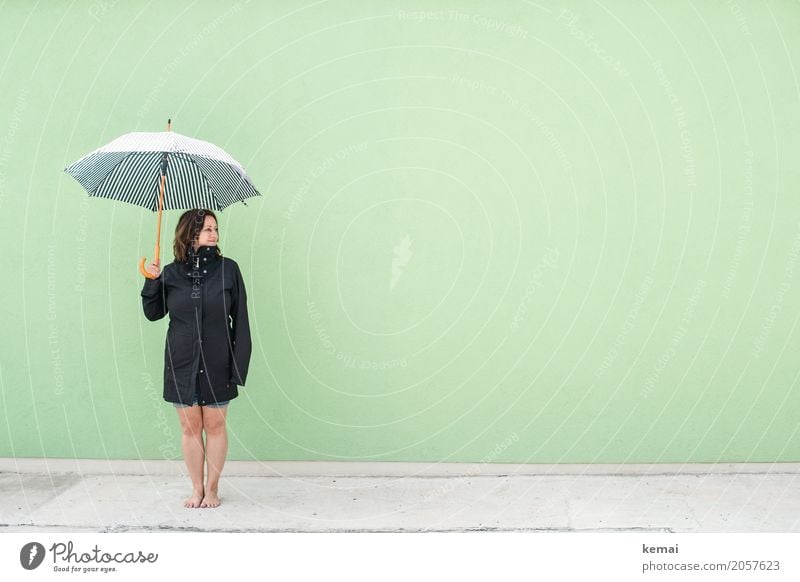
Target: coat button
{"points": [[201, 371]]}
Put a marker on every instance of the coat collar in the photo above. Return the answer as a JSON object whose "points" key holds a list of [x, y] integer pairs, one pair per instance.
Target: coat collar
{"points": [[197, 262]]}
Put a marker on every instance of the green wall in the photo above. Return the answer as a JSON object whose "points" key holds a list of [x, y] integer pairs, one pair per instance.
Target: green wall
{"points": [[511, 232]]}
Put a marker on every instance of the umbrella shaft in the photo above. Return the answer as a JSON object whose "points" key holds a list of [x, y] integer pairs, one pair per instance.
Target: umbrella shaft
{"points": [[160, 210]]}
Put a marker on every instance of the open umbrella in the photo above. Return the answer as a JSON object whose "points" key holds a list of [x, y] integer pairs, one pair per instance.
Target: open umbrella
{"points": [[163, 170]]}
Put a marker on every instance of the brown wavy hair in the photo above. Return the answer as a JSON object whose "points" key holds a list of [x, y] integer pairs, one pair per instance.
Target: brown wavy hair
{"points": [[188, 230]]}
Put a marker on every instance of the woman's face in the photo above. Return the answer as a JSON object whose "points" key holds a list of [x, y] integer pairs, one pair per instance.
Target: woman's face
{"points": [[208, 235]]}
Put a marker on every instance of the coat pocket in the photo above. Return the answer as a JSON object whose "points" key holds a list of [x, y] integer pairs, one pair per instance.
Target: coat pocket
{"points": [[179, 351]]}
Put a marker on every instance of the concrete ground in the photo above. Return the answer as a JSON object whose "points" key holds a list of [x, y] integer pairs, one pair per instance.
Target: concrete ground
{"points": [[54, 495]]}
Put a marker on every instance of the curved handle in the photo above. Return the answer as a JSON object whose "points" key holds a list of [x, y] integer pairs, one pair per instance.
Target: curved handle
{"points": [[144, 271]]}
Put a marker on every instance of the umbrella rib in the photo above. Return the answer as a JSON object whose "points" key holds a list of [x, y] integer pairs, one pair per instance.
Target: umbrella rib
{"points": [[122, 161], [129, 154], [205, 180], [229, 195]]}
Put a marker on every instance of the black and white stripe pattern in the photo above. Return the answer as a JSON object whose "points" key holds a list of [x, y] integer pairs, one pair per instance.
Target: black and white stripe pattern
{"points": [[199, 174]]}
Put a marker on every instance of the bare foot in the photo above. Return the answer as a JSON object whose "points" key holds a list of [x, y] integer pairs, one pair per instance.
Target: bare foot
{"points": [[195, 499], [210, 500]]}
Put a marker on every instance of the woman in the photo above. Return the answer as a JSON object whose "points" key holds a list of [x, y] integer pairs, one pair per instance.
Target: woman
{"points": [[207, 351]]}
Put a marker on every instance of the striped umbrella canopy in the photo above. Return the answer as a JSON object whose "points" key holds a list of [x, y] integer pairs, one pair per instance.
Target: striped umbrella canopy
{"points": [[163, 170], [198, 173]]}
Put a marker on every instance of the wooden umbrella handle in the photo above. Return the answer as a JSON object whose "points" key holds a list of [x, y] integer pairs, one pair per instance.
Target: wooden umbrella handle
{"points": [[157, 252], [142, 270]]}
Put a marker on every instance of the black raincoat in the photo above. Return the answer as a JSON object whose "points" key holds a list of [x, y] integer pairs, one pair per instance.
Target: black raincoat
{"points": [[208, 340]]}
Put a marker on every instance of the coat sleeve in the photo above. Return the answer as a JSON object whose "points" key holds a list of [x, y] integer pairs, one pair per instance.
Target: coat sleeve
{"points": [[240, 331], [153, 301]]}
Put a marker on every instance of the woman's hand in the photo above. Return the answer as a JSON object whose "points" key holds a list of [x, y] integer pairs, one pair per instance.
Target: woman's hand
{"points": [[153, 269]]}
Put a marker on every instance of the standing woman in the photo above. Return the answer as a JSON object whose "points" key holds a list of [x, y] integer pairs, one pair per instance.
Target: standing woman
{"points": [[208, 346]]}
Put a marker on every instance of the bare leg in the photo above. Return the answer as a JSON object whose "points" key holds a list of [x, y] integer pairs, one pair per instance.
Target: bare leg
{"points": [[192, 441], [216, 450]]}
